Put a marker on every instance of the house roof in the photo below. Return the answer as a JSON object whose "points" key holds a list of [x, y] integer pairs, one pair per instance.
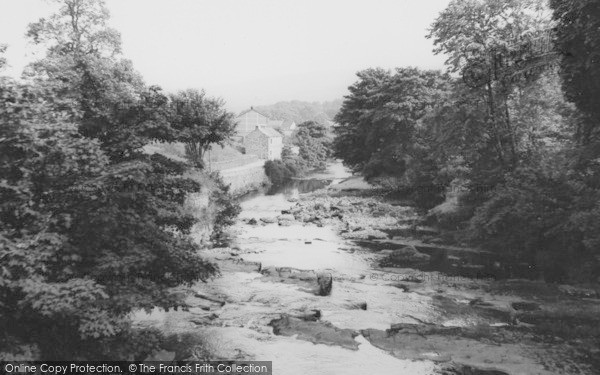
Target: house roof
{"points": [[269, 132], [287, 124], [251, 110]]}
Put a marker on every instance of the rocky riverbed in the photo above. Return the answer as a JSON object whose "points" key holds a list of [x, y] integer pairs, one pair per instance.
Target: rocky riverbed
{"points": [[400, 300]]}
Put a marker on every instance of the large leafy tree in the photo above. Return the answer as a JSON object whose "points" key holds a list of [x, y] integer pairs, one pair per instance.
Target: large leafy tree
{"points": [[83, 66], [499, 47], [353, 118], [507, 111], [79, 28], [509, 126], [470, 29], [380, 118], [91, 228], [199, 122]]}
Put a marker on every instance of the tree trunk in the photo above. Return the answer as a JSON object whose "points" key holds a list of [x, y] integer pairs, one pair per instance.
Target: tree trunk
{"points": [[492, 114], [511, 132], [195, 154]]}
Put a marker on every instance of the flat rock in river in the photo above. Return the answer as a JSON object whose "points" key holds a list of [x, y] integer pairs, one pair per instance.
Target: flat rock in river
{"points": [[286, 217], [408, 256], [316, 332]]}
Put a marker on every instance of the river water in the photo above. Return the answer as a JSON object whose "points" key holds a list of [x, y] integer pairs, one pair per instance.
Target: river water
{"points": [[240, 328], [263, 282]]}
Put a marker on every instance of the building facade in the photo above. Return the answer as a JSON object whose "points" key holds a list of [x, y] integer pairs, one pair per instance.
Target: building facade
{"points": [[264, 142], [248, 120]]}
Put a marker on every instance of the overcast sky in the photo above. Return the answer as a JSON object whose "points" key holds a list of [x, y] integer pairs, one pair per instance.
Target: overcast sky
{"points": [[254, 52]]}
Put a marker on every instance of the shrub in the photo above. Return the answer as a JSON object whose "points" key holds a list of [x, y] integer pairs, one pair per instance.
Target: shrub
{"points": [[549, 221], [279, 171], [228, 208]]}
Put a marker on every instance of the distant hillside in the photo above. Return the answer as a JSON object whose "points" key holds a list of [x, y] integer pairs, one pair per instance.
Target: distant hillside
{"points": [[299, 111]]}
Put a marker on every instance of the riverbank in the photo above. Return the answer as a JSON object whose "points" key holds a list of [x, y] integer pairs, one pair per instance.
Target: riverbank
{"points": [[390, 309]]}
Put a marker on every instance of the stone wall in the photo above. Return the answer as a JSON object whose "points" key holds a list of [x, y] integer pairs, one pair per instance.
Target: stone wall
{"points": [[245, 178], [242, 179], [231, 163], [198, 204]]}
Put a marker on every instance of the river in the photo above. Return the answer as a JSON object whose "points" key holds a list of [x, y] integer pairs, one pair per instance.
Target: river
{"points": [[240, 328], [256, 308]]}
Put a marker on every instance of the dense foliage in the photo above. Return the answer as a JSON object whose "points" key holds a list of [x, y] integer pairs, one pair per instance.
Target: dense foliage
{"points": [[380, 118], [578, 41], [228, 209], [381, 132], [91, 228], [516, 148], [199, 121], [280, 171], [313, 143]]}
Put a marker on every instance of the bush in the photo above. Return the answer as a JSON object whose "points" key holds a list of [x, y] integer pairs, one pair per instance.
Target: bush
{"points": [[228, 208], [549, 221], [314, 147], [279, 171]]}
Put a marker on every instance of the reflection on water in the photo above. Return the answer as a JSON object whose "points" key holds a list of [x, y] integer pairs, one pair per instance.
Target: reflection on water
{"points": [[288, 190], [295, 187], [335, 173]]}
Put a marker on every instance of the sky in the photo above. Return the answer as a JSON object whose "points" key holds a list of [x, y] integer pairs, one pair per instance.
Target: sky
{"points": [[253, 52]]}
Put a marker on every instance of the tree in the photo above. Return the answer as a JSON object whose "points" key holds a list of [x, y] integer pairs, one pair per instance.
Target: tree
{"points": [[91, 227], [200, 121], [380, 118], [85, 242], [509, 128], [83, 68], [352, 118], [499, 46], [79, 28], [227, 206], [313, 144], [578, 40]]}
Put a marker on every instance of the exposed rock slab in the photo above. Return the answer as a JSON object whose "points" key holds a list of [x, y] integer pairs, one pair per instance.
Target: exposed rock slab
{"points": [[316, 332], [441, 344]]}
